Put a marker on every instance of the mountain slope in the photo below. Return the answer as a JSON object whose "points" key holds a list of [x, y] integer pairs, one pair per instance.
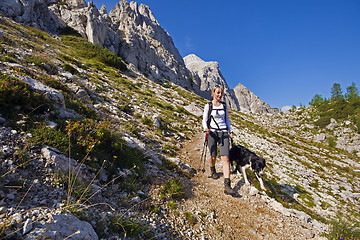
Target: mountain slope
{"points": [[129, 30], [135, 138]]}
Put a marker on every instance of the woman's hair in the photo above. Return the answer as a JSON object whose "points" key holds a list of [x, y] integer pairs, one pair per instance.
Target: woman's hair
{"points": [[216, 87]]}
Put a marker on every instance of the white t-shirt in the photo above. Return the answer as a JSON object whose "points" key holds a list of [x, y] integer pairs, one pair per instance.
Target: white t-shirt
{"points": [[218, 119]]}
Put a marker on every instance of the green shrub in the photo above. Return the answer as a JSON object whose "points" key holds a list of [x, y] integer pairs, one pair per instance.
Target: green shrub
{"points": [[130, 226], [92, 141], [44, 135], [323, 121], [190, 218], [357, 123], [147, 121], [341, 230], [81, 108], [125, 108], [67, 67], [173, 189], [17, 94], [332, 142]]}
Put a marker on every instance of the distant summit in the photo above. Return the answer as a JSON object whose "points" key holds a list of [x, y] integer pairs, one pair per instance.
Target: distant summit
{"points": [[207, 74]]}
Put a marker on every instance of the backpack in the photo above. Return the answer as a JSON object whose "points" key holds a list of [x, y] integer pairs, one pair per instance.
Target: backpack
{"points": [[211, 117]]}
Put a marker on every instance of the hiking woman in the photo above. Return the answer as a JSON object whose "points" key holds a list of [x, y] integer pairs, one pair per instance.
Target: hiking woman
{"points": [[217, 125]]}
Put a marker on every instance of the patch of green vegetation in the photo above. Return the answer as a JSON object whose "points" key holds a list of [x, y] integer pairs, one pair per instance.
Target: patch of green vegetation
{"points": [[81, 108], [67, 67], [15, 94], [172, 190], [92, 141], [190, 218], [341, 230], [41, 62], [80, 47], [315, 183], [147, 121], [130, 226], [339, 107]]}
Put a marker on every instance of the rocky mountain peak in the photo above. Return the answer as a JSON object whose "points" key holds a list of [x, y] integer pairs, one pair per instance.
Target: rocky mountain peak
{"points": [[145, 44], [250, 103], [206, 75], [193, 59], [103, 10]]}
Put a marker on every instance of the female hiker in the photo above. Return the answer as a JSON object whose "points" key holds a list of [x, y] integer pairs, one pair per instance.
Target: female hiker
{"points": [[217, 125]]}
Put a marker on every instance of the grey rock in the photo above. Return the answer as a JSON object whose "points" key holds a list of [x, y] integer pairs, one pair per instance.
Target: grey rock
{"points": [[28, 226], [250, 103], [194, 109], [54, 96], [64, 225]]}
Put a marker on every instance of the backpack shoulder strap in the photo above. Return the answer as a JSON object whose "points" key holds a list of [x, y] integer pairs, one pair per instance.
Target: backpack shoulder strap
{"points": [[224, 104], [209, 114]]}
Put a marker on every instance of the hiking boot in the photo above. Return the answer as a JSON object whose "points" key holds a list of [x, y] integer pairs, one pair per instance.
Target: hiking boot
{"points": [[214, 175], [229, 191]]}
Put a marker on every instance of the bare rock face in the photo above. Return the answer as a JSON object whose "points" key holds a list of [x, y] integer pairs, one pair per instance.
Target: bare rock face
{"points": [[146, 45], [33, 13], [250, 103], [207, 75]]}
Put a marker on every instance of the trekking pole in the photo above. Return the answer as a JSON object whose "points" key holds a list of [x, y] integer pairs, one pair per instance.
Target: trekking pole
{"points": [[203, 158]]}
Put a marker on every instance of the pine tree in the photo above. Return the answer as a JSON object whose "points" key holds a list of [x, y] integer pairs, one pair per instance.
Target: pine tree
{"points": [[352, 92], [316, 101], [336, 92]]}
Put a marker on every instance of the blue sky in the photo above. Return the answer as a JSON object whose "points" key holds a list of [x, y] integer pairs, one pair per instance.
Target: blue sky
{"points": [[284, 51]]}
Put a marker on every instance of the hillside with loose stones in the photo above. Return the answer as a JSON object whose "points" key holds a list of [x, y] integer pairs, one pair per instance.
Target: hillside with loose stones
{"points": [[93, 150]]}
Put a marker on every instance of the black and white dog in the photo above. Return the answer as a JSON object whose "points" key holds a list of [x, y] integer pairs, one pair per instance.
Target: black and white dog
{"points": [[241, 158]]}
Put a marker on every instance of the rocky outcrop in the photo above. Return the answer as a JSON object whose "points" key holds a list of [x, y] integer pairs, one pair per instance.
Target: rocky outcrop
{"points": [[250, 103], [206, 75], [32, 13], [146, 45]]}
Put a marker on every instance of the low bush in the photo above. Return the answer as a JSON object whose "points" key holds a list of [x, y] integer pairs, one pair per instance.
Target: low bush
{"points": [[17, 94], [341, 230], [92, 141]]}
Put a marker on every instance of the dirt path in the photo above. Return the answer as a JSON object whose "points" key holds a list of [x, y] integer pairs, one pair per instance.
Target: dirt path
{"points": [[246, 216]]}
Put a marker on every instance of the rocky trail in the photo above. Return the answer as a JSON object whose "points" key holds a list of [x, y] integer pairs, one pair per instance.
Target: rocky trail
{"points": [[249, 215]]}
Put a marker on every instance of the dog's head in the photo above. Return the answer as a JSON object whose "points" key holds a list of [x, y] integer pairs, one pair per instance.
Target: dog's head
{"points": [[258, 164]]}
